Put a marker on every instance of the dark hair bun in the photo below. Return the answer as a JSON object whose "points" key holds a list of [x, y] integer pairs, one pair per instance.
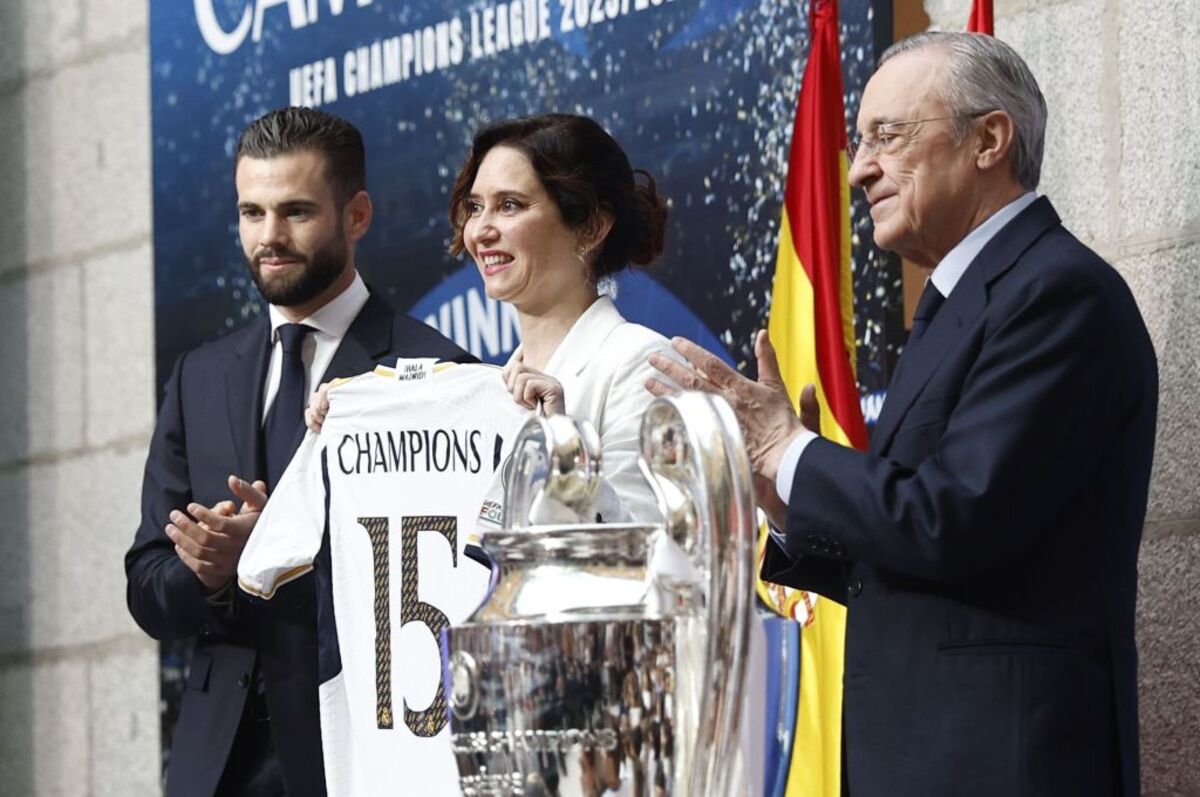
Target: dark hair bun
{"points": [[650, 221], [639, 227]]}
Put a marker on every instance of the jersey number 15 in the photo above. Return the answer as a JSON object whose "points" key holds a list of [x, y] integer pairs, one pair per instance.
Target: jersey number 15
{"points": [[430, 721]]}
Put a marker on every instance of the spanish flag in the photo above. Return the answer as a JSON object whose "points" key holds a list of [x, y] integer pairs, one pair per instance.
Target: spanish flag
{"points": [[982, 19], [812, 328]]}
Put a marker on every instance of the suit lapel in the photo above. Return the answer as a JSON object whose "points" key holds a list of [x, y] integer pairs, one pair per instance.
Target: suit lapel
{"points": [[920, 361], [921, 358], [367, 341], [244, 384]]}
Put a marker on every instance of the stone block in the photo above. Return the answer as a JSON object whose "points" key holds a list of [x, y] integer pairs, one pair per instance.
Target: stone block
{"points": [[953, 14], [1160, 103], [1169, 677], [16, 566], [40, 507], [41, 363], [118, 300], [38, 36], [87, 184], [947, 14], [1166, 284], [45, 750], [106, 21], [79, 515], [125, 750], [12, 173], [1063, 45]]}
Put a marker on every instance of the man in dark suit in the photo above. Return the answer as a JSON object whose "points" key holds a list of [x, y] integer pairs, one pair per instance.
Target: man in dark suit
{"points": [[232, 417], [986, 546]]}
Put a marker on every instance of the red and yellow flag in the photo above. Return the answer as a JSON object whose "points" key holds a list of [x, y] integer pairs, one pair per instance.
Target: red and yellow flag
{"points": [[982, 19], [812, 328]]}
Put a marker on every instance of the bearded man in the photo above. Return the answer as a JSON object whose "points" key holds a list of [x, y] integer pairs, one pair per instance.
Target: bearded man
{"points": [[230, 421]]}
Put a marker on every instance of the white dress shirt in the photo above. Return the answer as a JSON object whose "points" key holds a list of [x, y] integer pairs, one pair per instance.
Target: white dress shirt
{"points": [[329, 323], [945, 276]]}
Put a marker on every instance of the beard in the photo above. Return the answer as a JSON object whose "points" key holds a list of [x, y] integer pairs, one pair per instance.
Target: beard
{"points": [[316, 274]]}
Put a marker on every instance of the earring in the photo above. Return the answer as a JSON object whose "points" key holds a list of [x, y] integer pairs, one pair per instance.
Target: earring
{"points": [[581, 252]]}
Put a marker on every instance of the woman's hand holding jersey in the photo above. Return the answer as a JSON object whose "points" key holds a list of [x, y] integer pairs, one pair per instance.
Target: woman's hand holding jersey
{"points": [[532, 388]]}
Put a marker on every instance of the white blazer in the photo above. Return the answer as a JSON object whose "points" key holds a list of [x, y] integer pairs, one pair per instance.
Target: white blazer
{"points": [[602, 366]]}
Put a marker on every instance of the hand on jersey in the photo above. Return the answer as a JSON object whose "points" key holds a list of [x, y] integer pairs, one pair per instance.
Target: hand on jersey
{"points": [[763, 409], [318, 408], [530, 387], [209, 540]]}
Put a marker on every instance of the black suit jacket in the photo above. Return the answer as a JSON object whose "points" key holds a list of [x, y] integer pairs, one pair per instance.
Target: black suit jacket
{"points": [[209, 427], [987, 545]]}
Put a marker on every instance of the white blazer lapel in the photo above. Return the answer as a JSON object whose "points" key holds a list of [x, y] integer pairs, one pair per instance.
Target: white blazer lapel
{"points": [[584, 340]]}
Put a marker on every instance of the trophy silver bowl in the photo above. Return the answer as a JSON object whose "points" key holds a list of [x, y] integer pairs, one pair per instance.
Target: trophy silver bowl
{"points": [[588, 671]]}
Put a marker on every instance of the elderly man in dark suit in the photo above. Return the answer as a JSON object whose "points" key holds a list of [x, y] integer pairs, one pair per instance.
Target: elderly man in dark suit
{"points": [[986, 546], [231, 419]]}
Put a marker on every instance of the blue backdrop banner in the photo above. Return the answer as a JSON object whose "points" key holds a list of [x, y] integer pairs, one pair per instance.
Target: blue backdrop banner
{"points": [[700, 93]]}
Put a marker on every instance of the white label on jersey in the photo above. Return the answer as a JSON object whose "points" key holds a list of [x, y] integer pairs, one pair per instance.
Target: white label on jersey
{"points": [[414, 369]]}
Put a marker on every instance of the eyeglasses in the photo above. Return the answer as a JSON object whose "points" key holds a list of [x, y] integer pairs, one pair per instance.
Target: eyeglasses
{"points": [[887, 139]]}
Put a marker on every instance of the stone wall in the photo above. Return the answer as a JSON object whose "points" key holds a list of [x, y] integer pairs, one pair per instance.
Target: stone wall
{"points": [[78, 680], [1122, 81]]}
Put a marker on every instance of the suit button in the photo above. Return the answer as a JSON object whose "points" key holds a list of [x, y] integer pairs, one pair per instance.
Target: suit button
{"points": [[243, 680], [205, 630], [856, 587]]}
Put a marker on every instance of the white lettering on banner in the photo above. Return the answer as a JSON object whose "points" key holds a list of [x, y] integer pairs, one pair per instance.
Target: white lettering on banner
{"points": [[223, 42], [581, 13], [313, 84], [506, 26], [217, 39], [479, 324], [387, 62], [296, 15], [492, 29]]}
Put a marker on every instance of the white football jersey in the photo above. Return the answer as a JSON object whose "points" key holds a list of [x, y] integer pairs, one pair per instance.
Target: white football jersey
{"points": [[380, 504]]}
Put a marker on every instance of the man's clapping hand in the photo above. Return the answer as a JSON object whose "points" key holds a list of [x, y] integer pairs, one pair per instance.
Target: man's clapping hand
{"points": [[210, 540]]}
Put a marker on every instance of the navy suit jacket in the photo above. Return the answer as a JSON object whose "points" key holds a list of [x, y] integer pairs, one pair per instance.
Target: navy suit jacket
{"points": [[986, 546], [209, 427]]}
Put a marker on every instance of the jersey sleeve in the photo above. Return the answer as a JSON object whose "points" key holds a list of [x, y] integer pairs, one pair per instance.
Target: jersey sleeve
{"points": [[286, 538]]}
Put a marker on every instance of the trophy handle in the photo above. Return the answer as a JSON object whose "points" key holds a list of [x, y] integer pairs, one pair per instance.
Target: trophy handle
{"points": [[692, 447], [557, 457]]}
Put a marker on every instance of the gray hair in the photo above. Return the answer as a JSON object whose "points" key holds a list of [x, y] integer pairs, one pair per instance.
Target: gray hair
{"points": [[985, 74]]}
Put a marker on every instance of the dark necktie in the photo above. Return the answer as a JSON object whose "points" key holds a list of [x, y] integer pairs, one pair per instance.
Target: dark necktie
{"points": [[927, 307], [287, 413]]}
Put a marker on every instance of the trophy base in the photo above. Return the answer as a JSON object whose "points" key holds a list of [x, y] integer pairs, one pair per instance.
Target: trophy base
{"points": [[584, 708]]}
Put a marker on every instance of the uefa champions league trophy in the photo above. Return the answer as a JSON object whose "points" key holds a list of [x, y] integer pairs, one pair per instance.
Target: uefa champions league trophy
{"points": [[588, 672]]}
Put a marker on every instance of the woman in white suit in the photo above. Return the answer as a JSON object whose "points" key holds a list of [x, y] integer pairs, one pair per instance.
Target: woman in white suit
{"points": [[549, 209]]}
